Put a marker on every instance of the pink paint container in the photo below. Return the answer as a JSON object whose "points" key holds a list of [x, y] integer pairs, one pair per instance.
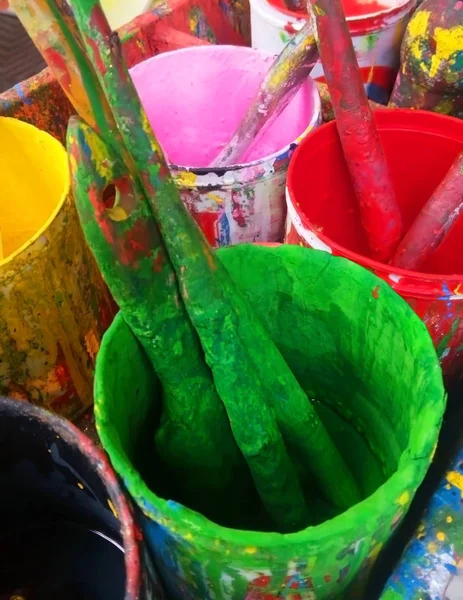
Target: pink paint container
{"points": [[195, 99], [376, 26], [420, 147]]}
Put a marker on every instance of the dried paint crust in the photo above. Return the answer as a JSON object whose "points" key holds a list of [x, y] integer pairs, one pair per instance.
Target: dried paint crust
{"points": [[431, 71], [343, 343]]}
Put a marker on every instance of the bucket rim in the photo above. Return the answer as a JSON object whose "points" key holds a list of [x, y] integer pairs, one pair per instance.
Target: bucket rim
{"points": [[279, 154], [360, 24], [101, 464], [184, 522], [396, 117], [58, 169]]}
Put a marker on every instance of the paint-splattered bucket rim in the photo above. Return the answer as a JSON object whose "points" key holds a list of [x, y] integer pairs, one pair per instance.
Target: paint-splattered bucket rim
{"points": [[270, 158], [100, 463], [184, 522], [399, 118], [364, 24], [56, 170]]}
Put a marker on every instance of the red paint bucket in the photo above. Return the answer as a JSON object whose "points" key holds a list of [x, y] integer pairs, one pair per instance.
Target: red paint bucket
{"points": [[322, 213]]}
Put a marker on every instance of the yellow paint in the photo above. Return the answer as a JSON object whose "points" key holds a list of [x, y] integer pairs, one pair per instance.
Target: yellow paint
{"points": [[185, 179], [113, 509], [448, 43], [250, 550], [403, 499], [449, 519], [432, 547], [417, 29], [29, 196], [189, 537], [440, 536], [80, 486], [120, 12], [50, 289], [456, 479]]}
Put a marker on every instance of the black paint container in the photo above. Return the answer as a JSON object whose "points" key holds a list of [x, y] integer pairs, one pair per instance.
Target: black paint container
{"points": [[66, 528]]}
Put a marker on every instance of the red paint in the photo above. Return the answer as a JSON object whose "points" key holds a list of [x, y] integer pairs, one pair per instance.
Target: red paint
{"points": [[363, 152], [375, 293], [289, 28], [419, 147], [97, 56], [434, 222], [353, 9]]}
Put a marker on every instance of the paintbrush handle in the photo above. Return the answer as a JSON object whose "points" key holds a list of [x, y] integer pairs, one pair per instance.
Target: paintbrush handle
{"points": [[434, 221], [124, 238], [279, 86], [363, 151], [53, 31]]}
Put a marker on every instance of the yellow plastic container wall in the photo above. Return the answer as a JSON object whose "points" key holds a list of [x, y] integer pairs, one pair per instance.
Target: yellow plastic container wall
{"points": [[54, 305], [121, 12]]}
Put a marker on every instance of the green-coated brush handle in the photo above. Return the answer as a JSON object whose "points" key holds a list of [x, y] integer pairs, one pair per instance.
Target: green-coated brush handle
{"points": [[247, 367]]}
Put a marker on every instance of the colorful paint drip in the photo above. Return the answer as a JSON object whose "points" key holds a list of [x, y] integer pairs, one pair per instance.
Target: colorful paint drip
{"points": [[431, 71]]}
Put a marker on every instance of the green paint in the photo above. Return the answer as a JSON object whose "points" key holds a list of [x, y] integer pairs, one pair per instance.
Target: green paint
{"points": [[194, 440], [370, 361], [249, 372]]}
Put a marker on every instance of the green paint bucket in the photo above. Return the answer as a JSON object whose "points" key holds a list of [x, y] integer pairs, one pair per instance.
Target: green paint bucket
{"points": [[367, 360]]}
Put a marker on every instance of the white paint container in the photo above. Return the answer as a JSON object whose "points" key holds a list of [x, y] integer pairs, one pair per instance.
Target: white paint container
{"points": [[377, 28], [195, 98]]}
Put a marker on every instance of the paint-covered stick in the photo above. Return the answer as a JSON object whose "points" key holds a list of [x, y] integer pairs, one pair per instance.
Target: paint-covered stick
{"points": [[53, 31], [194, 438], [284, 78], [362, 147], [434, 221], [243, 359]]}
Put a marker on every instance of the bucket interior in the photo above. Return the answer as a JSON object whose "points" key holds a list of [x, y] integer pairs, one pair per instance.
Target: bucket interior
{"points": [[419, 147], [348, 351], [34, 182], [196, 97], [62, 536]]}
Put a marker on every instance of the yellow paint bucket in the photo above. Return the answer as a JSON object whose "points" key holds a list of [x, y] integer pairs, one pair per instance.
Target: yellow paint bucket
{"points": [[54, 306]]}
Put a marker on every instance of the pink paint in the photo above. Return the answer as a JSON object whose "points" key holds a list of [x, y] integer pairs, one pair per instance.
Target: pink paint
{"points": [[196, 97]]}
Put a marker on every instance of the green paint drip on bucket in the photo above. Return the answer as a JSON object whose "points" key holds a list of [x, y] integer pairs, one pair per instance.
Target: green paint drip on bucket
{"points": [[361, 353]]}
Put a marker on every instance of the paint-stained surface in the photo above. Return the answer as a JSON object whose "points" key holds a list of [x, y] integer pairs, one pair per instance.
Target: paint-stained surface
{"points": [[202, 560], [376, 38], [431, 72], [54, 306], [432, 565], [51, 469], [436, 294]]}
